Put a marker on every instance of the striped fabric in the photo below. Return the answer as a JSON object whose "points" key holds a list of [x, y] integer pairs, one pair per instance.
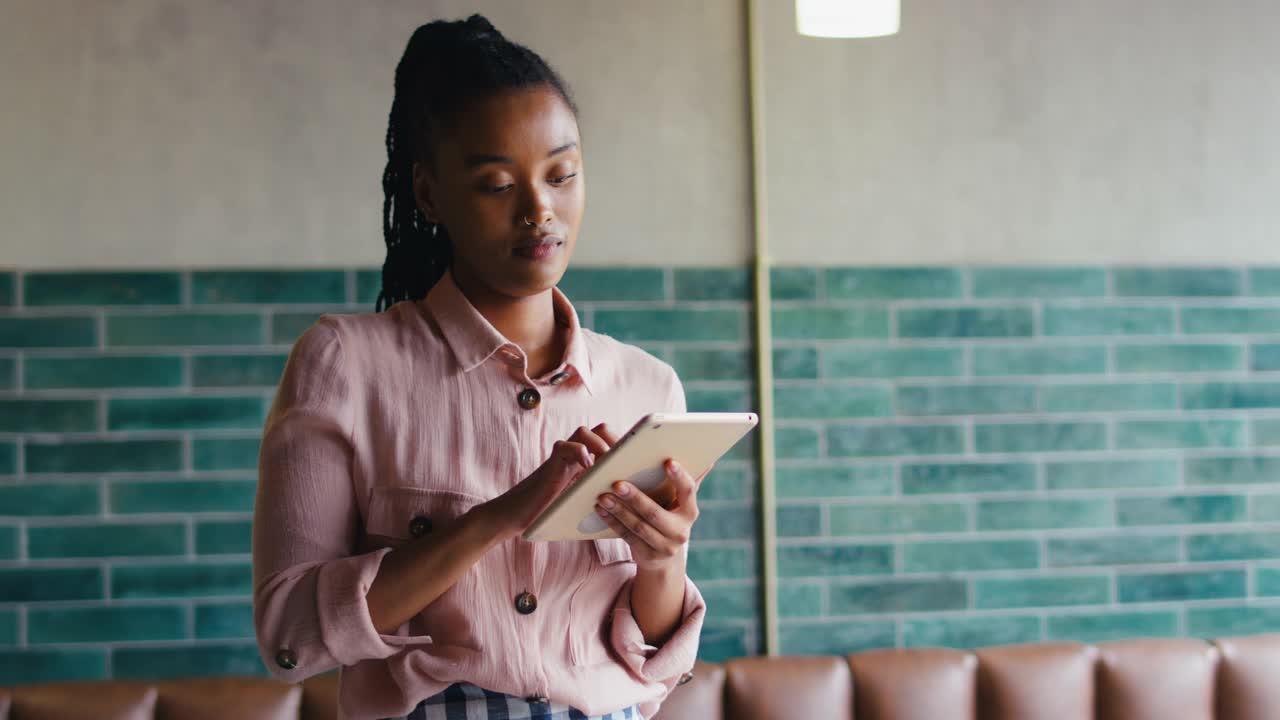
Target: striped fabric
{"points": [[464, 701]]}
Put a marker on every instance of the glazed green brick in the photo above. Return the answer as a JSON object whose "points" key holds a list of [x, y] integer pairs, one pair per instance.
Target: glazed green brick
{"points": [[731, 602], [694, 284], [1267, 581], [268, 287], [1234, 546], [970, 633], [984, 322], [1232, 470], [1266, 508], [225, 453], [1109, 397], [48, 332], [1039, 282], [629, 284], [50, 416], [1231, 395], [1042, 592], [1230, 320], [7, 284], [795, 443], [1180, 282], [962, 555], [185, 413], [720, 563], [237, 370], [1125, 549], [20, 667], [1264, 357], [201, 329], [1229, 621], [726, 482], [1069, 321], [829, 560], [714, 364], [819, 481], [1040, 437], [8, 458], [44, 289], [1178, 358], [795, 363], [828, 401], [793, 283], [885, 440], [1155, 434], [146, 581], [892, 283], [223, 537], [8, 627], [1111, 474], [830, 323], [227, 621], [106, 540], [1181, 510], [1046, 360], [718, 400], [723, 523], [368, 285], [965, 399], [671, 325], [799, 599], [795, 521], [1101, 627], [162, 663], [134, 497], [8, 543], [835, 638], [920, 479], [718, 644], [104, 456], [1264, 281], [32, 584], [895, 518], [8, 373], [286, 328], [106, 624], [898, 596], [1181, 586], [109, 371], [49, 499], [1044, 514], [864, 362]]}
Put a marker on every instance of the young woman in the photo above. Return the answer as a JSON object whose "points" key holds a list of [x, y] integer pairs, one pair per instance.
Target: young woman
{"points": [[407, 450]]}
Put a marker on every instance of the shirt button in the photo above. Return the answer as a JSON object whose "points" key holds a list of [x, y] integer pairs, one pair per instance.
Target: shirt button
{"points": [[685, 678], [529, 398], [420, 525], [537, 700], [526, 603], [286, 659], [558, 378]]}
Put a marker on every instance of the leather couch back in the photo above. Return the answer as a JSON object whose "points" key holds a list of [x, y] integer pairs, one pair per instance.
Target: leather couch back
{"points": [[1229, 679]]}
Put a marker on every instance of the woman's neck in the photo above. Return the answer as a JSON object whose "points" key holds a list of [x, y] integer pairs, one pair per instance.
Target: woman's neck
{"points": [[529, 322]]}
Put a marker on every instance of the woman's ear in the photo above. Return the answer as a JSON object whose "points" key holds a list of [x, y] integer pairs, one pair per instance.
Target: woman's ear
{"points": [[422, 191]]}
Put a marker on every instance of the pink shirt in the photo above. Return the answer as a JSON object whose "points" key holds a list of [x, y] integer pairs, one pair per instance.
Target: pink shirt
{"points": [[382, 418]]}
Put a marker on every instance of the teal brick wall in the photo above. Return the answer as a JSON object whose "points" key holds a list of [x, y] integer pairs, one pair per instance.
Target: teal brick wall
{"points": [[966, 456]]}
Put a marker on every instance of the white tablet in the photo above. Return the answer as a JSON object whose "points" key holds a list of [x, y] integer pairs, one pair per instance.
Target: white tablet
{"points": [[695, 440]]}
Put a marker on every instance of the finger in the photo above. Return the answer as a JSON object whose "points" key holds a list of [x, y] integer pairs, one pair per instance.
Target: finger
{"points": [[605, 432], [594, 442], [686, 487], [630, 526], [623, 531], [571, 453], [641, 513]]}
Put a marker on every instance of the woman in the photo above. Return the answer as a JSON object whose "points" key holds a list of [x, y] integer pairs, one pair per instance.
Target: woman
{"points": [[407, 450]]}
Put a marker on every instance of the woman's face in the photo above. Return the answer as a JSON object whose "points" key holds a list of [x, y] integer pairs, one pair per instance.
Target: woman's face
{"points": [[506, 181]]}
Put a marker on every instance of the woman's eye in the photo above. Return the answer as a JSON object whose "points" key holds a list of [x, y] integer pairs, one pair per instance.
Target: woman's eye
{"points": [[496, 190], [564, 178]]}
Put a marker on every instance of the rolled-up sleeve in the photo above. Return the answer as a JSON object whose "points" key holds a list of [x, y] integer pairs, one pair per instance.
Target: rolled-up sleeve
{"points": [[309, 585]]}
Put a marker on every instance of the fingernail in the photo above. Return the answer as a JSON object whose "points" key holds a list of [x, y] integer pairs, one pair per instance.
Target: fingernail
{"points": [[606, 501], [622, 488], [673, 467]]}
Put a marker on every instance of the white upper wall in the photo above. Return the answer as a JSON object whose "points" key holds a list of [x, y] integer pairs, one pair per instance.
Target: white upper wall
{"points": [[142, 133]]}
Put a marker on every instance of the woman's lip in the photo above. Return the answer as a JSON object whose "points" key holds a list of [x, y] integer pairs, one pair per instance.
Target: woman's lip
{"points": [[541, 251], [535, 242]]}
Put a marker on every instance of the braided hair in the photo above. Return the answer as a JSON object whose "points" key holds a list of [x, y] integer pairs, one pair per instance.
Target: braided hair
{"points": [[446, 65]]}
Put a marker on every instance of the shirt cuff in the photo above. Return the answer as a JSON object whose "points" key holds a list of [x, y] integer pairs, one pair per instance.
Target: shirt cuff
{"points": [[676, 656], [347, 628]]}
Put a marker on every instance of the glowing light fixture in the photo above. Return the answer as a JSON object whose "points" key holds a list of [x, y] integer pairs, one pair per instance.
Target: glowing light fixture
{"points": [[847, 18]]}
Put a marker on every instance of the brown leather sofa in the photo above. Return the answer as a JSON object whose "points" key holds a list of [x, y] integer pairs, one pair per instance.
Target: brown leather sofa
{"points": [[1228, 679]]}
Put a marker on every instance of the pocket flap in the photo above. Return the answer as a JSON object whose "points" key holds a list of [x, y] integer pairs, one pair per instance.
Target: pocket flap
{"points": [[393, 510], [613, 550]]}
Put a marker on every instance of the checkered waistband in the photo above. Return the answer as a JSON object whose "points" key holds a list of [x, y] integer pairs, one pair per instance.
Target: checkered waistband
{"points": [[464, 701]]}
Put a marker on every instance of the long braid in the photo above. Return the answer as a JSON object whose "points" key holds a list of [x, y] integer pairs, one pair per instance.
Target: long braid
{"points": [[445, 65]]}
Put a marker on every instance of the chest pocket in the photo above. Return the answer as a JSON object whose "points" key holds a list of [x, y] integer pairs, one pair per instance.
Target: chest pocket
{"points": [[591, 606]]}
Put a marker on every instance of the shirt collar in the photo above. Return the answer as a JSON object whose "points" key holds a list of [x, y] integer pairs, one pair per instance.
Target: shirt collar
{"points": [[474, 339]]}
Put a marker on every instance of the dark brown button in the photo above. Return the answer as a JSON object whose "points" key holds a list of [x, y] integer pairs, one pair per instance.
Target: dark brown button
{"points": [[420, 525], [558, 378], [685, 678], [526, 603], [286, 659], [537, 700], [529, 398]]}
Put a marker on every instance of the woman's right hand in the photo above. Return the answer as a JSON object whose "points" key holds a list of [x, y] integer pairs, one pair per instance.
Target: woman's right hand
{"points": [[516, 509]]}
